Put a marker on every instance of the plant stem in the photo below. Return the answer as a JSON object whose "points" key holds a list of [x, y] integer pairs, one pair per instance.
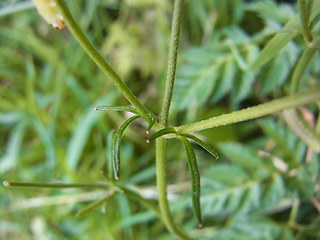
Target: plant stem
{"points": [[261, 110], [98, 59], [161, 162], [161, 143], [51, 185], [172, 61], [299, 70], [305, 16]]}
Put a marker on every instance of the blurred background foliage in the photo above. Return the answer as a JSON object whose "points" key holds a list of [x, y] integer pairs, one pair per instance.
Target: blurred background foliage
{"points": [[266, 183]]}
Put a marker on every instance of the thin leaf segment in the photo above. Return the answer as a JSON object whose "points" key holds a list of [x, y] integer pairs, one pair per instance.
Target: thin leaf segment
{"points": [[192, 164]]}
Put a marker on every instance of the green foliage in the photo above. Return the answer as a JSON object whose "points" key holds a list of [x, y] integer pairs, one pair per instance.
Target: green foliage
{"points": [[234, 54]]}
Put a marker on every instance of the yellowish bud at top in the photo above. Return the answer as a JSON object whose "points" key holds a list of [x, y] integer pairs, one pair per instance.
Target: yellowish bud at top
{"points": [[48, 10]]}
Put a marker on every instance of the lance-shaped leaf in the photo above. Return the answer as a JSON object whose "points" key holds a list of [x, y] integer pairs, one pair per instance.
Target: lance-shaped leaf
{"points": [[204, 145], [116, 145], [195, 178], [95, 204], [162, 132]]}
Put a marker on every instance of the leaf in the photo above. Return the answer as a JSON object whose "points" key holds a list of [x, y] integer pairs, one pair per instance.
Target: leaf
{"points": [[302, 183], [162, 132], [279, 41], [47, 140], [245, 79], [242, 156], [282, 38], [205, 146], [225, 84], [116, 145], [9, 159], [94, 205], [277, 71], [288, 146], [195, 178], [194, 90], [116, 108], [273, 192]]}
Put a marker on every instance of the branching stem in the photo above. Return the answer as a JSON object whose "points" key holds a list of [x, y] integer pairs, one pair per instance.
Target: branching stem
{"points": [[261, 110], [98, 59]]}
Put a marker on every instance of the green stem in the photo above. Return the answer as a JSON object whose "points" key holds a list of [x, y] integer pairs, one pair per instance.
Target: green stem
{"points": [[52, 185], [161, 161], [261, 110], [299, 70], [161, 143], [98, 59], [294, 212], [172, 61], [305, 16]]}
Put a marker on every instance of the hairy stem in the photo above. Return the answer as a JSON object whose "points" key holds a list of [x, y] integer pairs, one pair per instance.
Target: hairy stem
{"points": [[172, 61], [98, 59], [261, 110], [161, 143], [161, 162]]}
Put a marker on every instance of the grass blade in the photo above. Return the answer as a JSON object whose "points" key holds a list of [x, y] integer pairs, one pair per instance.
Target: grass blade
{"points": [[116, 145], [195, 178], [204, 145]]}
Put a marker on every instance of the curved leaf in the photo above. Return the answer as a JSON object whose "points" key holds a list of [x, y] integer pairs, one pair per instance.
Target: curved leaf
{"points": [[162, 132], [116, 145], [205, 146], [195, 178]]}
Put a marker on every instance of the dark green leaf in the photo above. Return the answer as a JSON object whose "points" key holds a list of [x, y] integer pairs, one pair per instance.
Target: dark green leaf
{"points": [[205, 146], [195, 178], [162, 132], [116, 145]]}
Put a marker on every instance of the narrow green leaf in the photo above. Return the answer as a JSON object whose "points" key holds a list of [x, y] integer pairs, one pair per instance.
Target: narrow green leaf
{"points": [[162, 132], [116, 145], [244, 157], [204, 145], [116, 108], [9, 159], [195, 178], [279, 41], [94, 204], [243, 65]]}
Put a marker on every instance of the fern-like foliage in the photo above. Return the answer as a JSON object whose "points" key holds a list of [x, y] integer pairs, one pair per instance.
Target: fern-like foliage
{"points": [[255, 183], [222, 66]]}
